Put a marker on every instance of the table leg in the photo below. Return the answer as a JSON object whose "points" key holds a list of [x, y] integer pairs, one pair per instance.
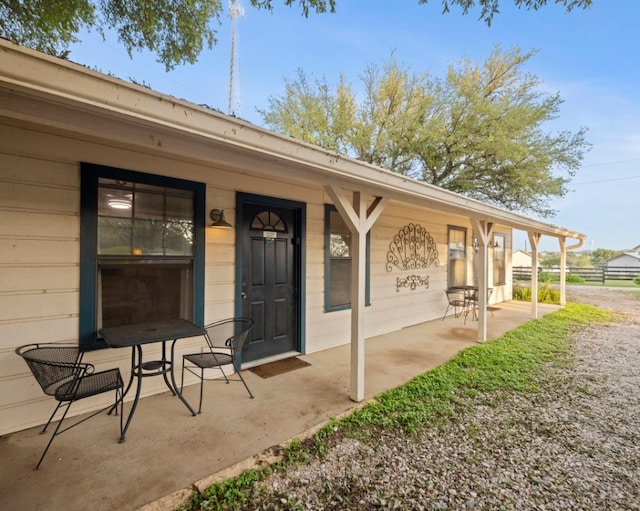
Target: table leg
{"points": [[178, 391], [133, 365], [137, 369], [171, 387]]}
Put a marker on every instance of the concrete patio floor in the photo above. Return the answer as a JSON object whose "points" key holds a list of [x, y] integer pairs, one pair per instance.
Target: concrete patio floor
{"points": [[168, 451]]}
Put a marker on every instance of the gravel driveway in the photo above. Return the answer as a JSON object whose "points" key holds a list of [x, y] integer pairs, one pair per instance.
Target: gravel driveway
{"points": [[573, 446]]}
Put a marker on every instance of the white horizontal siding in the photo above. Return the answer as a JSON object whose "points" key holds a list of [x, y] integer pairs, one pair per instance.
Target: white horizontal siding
{"points": [[40, 259]]}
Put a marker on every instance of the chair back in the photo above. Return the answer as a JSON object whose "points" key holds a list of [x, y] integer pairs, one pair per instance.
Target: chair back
{"points": [[455, 296], [51, 364], [229, 333]]}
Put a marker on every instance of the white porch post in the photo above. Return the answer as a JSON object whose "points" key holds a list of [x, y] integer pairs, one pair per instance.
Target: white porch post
{"points": [[483, 231], [563, 271], [359, 219], [534, 239]]}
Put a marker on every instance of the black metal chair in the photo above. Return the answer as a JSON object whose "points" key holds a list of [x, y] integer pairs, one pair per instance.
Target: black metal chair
{"points": [[59, 370], [456, 300], [225, 340]]}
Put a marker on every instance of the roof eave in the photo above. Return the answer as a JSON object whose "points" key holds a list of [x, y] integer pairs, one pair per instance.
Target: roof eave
{"points": [[70, 85]]}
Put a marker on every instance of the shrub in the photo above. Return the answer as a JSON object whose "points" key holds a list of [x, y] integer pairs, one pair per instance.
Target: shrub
{"points": [[546, 294], [521, 293], [545, 276], [574, 279], [637, 280]]}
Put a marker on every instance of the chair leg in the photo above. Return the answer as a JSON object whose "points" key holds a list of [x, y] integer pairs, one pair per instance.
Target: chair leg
{"points": [[219, 366], [55, 432], [239, 371], [44, 430], [120, 398], [201, 389]]}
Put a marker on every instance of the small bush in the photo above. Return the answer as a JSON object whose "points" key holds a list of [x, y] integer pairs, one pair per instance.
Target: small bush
{"points": [[574, 279], [544, 276], [637, 280], [521, 293], [546, 294]]}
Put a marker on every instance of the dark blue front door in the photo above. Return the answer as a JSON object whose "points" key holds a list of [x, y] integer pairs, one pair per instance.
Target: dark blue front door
{"points": [[270, 287]]}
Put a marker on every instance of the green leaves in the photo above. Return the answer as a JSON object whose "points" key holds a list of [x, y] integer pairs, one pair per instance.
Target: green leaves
{"points": [[478, 131], [45, 25], [175, 30], [489, 8]]}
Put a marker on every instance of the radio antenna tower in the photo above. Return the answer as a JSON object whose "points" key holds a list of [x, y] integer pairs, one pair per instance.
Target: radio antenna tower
{"points": [[235, 11]]}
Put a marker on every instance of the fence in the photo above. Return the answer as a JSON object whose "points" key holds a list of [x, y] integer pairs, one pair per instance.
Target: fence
{"points": [[588, 274]]}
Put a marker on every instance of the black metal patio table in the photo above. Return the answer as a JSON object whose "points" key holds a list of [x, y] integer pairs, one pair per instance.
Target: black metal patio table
{"points": [[471, 299], [135, 336]]}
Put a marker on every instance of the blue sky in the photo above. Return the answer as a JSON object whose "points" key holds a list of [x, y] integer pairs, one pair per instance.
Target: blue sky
{"points": [[591, 58]]}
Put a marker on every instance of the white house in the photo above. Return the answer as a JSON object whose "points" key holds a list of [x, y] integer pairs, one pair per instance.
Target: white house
{"points": [[521, 259], [107, 189], [630, 259]]}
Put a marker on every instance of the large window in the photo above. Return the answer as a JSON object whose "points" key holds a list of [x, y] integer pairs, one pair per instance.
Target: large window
{"points": [[457, 256], [499, 260], [338, 262], [142, 248]]}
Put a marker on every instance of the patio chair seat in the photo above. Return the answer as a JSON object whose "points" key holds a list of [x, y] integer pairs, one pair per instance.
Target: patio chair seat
{"points": [[90, 385], [209, 360]]}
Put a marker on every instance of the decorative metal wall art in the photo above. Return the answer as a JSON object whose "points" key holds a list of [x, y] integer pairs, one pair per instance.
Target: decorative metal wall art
{"points": [[412, 282], [412, 248]]}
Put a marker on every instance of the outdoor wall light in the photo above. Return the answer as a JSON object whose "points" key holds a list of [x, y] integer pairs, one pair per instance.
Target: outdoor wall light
{"points": [[217, 215]]}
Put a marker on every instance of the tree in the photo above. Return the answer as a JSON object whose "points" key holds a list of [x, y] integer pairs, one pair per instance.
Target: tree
{"points": [[478, 131], [599, 256], [176, 30], [489, 8], [551, 261]]}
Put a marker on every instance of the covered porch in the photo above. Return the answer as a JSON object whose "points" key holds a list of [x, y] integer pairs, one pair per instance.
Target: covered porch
{"points": [[168, 451]]}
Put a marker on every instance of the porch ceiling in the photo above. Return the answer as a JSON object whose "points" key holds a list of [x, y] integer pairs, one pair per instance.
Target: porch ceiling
{"points": [[60, 97]]}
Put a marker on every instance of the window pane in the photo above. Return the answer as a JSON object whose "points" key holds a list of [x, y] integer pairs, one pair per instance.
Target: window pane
{"points": [[180, 208], [148, 237], [268, 220], [457, 257], [340, 282], [143, 219], [114, 236], [499, 260], [179, 224], [149, 205], [340, 236], [338, 262], [136, 293], [457, 273], [115, 198], [179, 237], [339, 243]]}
